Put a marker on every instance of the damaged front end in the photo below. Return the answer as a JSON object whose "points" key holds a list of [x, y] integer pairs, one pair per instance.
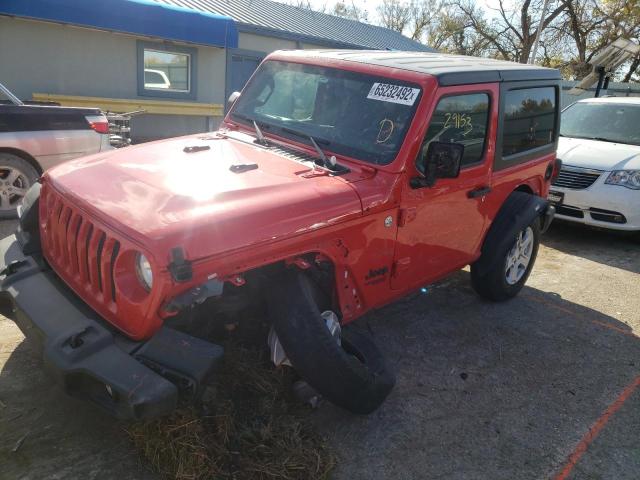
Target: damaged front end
{"points": [[88, 357]]}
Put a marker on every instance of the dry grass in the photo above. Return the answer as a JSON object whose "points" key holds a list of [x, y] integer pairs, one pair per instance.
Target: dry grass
{"points": [[253, 429]]}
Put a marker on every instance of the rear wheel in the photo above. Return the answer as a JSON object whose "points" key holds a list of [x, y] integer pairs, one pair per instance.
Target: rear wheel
{"points": [[351, 374], [16, 177], [508, 274]]}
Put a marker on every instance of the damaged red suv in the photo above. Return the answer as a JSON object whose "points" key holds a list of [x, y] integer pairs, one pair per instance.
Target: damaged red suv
{"points": [[338, 182]]}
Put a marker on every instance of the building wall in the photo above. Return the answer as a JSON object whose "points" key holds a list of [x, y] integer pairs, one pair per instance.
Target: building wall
{"points": [[259, 43], [39, 57], [50, 58]]}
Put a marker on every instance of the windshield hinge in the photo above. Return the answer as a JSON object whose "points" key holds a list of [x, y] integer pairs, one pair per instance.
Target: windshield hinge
{"points": [[406, 215], [179, 267]]}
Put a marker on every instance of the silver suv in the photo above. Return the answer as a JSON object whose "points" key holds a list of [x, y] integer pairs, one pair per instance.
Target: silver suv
{"points": [[35, 137]]}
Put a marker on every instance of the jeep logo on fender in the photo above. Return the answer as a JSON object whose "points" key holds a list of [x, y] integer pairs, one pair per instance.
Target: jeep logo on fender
{"points": [[376, 275]]}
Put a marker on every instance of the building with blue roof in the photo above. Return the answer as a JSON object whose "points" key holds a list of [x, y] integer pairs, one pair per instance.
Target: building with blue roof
{"points": [[178, 60]]}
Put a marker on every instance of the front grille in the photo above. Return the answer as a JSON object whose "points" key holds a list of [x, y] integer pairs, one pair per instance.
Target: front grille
{"points": [[81, 252], [576, 178]]}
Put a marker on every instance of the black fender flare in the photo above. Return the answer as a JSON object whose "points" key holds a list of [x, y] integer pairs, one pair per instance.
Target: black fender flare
{"points": [[28, 232], [518, 211]]}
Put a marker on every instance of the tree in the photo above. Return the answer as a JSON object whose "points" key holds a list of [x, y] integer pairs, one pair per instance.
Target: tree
{"points": [[512, 33], [394, 14], [414, 18], [590, 25], [451, 32], [351, 11]]}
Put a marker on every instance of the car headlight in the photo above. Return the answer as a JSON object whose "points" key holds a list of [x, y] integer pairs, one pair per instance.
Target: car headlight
{"points": [[143, 268], [625, 178]]}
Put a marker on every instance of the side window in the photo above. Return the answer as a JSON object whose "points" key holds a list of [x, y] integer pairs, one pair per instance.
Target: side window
{"points": [[529, 119], [460, 119]]}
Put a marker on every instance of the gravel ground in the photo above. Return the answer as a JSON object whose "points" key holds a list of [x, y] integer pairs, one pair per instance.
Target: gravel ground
{"points": [[484, 391]]}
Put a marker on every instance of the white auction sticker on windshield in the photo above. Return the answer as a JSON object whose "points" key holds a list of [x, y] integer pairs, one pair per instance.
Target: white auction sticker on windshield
{"points": [[393, 93]]}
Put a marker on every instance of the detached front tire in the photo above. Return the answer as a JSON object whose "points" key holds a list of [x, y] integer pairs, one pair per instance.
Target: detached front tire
{"points": [[352, 375], [511, 267]]}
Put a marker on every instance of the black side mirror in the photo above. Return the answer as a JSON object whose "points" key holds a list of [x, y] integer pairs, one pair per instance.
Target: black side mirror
{"points": [[232, 99], [441, 160]]}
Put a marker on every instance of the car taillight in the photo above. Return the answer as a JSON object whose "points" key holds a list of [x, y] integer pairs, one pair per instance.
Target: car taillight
{"points": [[99, 123]]}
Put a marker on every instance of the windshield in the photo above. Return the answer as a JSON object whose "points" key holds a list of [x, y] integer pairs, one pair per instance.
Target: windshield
{"points": [[602, 121], [353, 114]]}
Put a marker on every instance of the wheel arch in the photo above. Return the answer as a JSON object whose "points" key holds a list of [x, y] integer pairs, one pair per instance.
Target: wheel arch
{"points": [[524, 188], [25, 156], [519, 209]]}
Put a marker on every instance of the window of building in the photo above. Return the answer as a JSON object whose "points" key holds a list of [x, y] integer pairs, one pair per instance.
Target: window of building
{"points": [[166, 71], [461, 119], [529, 119]]}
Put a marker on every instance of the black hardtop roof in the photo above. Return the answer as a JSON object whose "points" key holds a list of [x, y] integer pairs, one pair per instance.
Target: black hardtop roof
{"points": [[448, 69]]}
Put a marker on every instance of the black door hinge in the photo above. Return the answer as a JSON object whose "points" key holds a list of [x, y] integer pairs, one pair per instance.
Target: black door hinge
{"points": [[179, 267]]}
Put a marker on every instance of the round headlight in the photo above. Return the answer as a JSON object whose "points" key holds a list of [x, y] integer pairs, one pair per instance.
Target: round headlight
{"points": [[145, 274]]}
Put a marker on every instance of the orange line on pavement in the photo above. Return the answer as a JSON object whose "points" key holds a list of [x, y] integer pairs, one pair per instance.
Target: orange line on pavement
{"points": [[574, 314], [617, 329], [595, 429]]}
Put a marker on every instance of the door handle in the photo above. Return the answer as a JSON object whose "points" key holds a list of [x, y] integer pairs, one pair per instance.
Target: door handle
{"points": [[479, 192]]}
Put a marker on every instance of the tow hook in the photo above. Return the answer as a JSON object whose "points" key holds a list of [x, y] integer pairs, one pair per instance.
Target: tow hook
{"points": [[75, 340], [13, 267]]}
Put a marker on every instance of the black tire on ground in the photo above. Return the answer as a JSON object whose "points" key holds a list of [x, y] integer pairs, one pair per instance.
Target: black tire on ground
{"points": [[353, 376], [27, 176], [492, 282]]}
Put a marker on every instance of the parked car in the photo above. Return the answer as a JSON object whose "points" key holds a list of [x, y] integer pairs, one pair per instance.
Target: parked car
{"points": [[338, 182], [156, 79], [34, 138], [599, 183]]}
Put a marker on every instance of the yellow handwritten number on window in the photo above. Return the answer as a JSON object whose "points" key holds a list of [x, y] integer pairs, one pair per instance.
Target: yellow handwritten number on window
{"points": [[460, 121]]}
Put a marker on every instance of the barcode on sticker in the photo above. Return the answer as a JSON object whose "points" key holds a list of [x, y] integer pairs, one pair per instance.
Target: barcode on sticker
{"points": [[393, 93]]}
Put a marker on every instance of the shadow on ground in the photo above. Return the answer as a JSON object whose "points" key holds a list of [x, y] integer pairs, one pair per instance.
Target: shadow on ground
{"points": [[56, 437], [489, 391], [484, 391], [608, 247]]}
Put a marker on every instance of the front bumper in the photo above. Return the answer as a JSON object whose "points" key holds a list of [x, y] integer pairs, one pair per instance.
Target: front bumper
{"points": [[601, 205], [130, 379]]}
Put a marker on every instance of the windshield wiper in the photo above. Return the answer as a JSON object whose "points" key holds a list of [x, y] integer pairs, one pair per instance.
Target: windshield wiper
{"points": [[329, 163], [260, 138]]}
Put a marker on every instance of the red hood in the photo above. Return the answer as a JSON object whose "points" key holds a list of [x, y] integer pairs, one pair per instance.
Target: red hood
{"points": [[163, 197]]}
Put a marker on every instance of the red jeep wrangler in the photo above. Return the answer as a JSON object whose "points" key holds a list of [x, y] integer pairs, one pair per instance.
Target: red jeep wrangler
{"points": [[338, 182]]}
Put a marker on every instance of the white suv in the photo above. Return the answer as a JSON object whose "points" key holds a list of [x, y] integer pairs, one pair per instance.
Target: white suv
{"points": [[599, 183]]}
